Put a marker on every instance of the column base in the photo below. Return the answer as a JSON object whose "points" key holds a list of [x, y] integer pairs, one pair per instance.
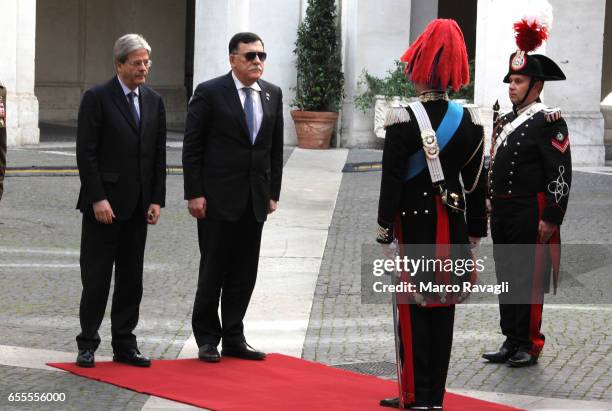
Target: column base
{"points": [[22, 120]]}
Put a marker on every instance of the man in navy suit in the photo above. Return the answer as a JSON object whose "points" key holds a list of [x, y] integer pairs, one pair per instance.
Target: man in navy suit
{"points": [[121, 156], [232, 166]]}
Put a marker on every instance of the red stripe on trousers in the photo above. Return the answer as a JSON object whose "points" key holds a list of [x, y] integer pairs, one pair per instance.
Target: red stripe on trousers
{"points": [[406, 377], [535, 314]]}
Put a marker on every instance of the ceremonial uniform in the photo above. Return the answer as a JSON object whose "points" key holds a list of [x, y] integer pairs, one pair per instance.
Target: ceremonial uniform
{"points": [[415, 210], [423, 204], [529, 180]]}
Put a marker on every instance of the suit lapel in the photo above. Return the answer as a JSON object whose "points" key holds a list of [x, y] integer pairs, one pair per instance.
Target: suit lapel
{"points": [[265, 106], [121, 101], [233, 100], [144, 107]]}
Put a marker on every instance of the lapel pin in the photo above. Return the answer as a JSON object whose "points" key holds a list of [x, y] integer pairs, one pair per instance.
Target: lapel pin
{"points": [[267, 96]]}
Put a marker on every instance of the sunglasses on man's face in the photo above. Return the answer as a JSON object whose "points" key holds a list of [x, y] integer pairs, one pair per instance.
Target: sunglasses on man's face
{"points": [[250, 55]]}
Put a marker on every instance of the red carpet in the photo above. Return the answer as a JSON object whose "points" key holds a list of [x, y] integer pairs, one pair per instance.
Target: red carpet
{"points": [[277, 383]]}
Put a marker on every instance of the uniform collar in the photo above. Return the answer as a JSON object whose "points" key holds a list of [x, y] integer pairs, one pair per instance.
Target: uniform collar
{"points": [[523, 109]]}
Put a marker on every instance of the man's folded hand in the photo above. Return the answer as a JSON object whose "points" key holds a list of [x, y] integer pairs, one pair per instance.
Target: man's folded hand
{"points": [[103, 212], [197, 207]]}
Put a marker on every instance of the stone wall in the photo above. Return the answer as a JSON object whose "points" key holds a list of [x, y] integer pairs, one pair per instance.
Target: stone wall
{"points": [[74, 50]]}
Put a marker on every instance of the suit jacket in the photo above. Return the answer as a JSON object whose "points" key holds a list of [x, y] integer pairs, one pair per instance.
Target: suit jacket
{"points": [[219, 160], [119, 160]]}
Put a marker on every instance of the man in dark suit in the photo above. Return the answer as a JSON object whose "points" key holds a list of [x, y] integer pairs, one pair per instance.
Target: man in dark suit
{"points": [[121, 156], [232, 165]]}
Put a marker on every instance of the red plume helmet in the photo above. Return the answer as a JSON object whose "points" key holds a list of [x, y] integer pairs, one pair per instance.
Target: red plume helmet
{"points": [[533, 28], [438, 57], [530, 32]]}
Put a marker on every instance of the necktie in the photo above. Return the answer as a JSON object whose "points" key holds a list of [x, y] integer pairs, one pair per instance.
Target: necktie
{"points": [[131, 96], [249, 112]]}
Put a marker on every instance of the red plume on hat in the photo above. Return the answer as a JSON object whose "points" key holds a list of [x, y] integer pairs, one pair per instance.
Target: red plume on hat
{"points": [[438, 57], [532, 29], [530, 32]]}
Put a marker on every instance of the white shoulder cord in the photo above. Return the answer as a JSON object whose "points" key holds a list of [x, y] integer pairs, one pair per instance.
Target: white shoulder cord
{"points": [[430, 142]]}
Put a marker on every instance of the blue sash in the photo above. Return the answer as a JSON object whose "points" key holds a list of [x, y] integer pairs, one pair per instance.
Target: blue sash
{"points": [[446, 130]]}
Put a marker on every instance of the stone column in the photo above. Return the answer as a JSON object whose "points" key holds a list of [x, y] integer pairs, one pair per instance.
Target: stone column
{"points": [[214, 26], [494, 44], [376, 34], [17, 37], [421, 14], [576, 44]]}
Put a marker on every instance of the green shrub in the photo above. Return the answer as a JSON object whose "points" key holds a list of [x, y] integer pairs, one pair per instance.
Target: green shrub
{"points": [[397, 84], [320, 79]]}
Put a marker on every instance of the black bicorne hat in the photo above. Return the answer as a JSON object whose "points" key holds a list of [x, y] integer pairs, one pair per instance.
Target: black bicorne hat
{"points": [[537, 66], [530, 32]]}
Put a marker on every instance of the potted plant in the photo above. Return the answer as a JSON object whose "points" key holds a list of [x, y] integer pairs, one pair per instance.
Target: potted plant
{"points": [[382, 93], [319, 89], [396, 89]]}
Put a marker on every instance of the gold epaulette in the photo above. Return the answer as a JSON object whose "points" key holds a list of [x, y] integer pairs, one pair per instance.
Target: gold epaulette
{"points": [[552, 114], [474, 113], [397, 114]]}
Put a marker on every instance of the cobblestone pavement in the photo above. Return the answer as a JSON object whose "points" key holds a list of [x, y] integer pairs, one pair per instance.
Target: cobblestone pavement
{"points": [[40, 289], [576, 362]]}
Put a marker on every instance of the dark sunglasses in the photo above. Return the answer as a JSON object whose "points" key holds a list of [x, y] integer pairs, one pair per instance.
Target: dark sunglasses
{"points": [[250, 55]]}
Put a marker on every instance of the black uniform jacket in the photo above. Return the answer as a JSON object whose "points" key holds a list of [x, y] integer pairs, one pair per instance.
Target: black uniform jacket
{"points": [[219, 160], [414, 200], [535, 158], [119, 160]]}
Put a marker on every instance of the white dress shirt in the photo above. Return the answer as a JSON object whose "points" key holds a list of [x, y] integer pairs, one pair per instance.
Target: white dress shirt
{"points": [[257, 109], [127, 91]]}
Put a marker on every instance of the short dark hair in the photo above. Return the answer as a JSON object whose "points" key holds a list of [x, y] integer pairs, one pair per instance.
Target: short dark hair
{"points": [[244, 37]]}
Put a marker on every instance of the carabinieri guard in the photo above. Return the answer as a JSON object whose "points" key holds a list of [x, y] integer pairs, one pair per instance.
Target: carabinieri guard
{"points": [[423, 203], [529, 181]]}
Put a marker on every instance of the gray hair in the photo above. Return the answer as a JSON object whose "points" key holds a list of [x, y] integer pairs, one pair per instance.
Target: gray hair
{"points": [[127, 44]]}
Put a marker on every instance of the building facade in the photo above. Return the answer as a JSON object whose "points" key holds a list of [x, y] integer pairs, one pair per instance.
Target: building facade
{"points": [[53, 50]]}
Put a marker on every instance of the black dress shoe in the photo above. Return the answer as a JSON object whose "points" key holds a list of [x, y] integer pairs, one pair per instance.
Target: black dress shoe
{"points": [[132, 357], [86, 358], [208, 353], [522, 359], [500, 356], [394, 403], [243, 351], [389, 402]]}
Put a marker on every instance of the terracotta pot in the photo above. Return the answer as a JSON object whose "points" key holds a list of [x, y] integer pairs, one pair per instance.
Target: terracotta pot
{"points": [[314, 129]]}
